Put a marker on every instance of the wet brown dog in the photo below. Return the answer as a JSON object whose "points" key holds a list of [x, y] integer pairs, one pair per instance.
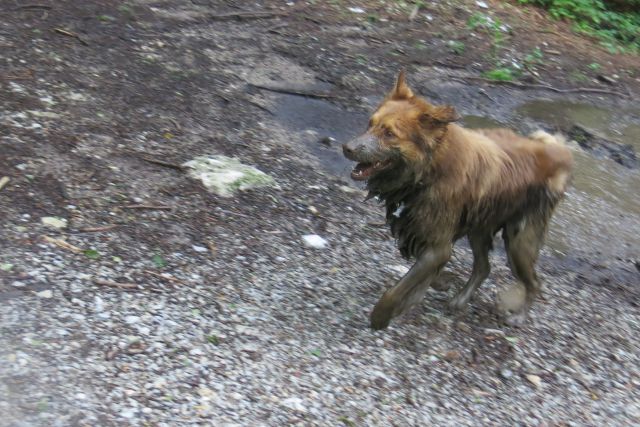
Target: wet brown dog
{"points": [[441, 182]]}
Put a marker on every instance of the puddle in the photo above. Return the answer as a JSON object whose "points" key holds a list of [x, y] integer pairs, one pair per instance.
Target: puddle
{"points": [[327, 120], [621, 125], [601, 213]]}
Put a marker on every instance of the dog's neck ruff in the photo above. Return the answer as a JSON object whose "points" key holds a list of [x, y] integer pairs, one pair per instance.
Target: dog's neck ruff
{"points": [[401, 215]]}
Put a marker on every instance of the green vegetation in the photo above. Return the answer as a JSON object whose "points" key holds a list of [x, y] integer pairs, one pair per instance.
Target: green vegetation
{"points": [[615, 23], [502, 74], [493, 26], [457, 47]]}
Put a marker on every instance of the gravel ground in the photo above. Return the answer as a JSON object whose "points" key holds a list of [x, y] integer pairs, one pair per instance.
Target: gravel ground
{"points": [[206, 310]]}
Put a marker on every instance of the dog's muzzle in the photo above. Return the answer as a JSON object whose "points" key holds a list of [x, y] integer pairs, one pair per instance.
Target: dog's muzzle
{"points": [[360, 148]]}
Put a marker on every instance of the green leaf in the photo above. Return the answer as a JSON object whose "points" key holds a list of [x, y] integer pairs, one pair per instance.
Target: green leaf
{"points": [[213, 339], [316, 353], [92, 254], [512, 340], [158, 261], [6, 266]]}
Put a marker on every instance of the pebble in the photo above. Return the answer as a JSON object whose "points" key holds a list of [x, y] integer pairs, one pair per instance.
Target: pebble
{"points": [[506, 373], [131, 319], [45, 294], [295, 403], [314, 241], [534, 379]]}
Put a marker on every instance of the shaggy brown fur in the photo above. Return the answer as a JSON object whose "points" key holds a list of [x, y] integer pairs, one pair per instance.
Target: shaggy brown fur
{"points": [[441, 182]]}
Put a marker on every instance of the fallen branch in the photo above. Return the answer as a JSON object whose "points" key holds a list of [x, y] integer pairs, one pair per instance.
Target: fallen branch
{"points": [[542, 86], [163, 163], [98, 229], [288, 91], [152, 207], [26, 75], [62, 244], [70, 34], [112, 284], [245, 15], [4, 181], [33, 6], [165, 277]]}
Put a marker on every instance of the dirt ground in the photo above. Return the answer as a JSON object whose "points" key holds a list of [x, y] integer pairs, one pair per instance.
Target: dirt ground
{"points": [[161, 303]]}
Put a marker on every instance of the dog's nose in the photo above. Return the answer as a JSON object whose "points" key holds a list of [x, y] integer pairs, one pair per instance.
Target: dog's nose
{"points": [[346, 150]]}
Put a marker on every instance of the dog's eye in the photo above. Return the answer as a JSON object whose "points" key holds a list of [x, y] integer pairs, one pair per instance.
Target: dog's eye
{"points": [[388, 133]]}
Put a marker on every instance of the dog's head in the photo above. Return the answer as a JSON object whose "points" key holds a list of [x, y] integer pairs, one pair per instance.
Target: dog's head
{"points": [[403, 135]]}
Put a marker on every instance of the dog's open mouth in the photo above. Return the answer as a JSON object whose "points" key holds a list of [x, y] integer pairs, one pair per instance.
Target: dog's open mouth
{"points": [[364, 171]]}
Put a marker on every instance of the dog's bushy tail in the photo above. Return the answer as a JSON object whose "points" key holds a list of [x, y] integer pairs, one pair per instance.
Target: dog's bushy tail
{"points": [[547, 138]]}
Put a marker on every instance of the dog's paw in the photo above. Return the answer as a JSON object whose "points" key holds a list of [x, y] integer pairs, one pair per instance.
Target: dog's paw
{"points": [[380, 318], [458, 303], [383, 312]]}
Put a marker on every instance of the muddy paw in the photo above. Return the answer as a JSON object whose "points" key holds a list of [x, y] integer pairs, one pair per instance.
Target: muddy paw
{"points": [[380, 318], [382, 313], [458, 303]]}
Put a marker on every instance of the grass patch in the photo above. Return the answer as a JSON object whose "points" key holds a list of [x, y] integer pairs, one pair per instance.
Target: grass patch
{"points": [[616, 24], [500, 74]]}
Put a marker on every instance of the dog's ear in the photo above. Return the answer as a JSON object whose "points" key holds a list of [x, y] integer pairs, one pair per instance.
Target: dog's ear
{"points": [[445, 114], [401, 90], [438, 116]]}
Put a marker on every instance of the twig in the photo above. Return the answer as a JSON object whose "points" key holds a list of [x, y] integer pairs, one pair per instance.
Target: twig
{"points": [[274, 29], [292, 91], [152, 207], [98, 229], [163, 163], [103, 282], [33, 6], [175, 124], [542, 86], [162, 276], [26, 75], [62, 244], [70, 34], [260, 106], [4, 181], [245, 15], [484, 92]]}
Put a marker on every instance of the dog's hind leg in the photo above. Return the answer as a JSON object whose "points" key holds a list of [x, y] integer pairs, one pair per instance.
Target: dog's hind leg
{"points": [[523, 241], [480, 245], [411, 288]]}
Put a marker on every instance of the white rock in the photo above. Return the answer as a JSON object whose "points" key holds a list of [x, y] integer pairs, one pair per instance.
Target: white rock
{"points": [[356, 9], [225, 175], [128, 413], [400, 269], [132, 319], [535, 380], [45, 294], [294, 403], [54, 222], [482, 5], [98, 304], [314, 241], [199, 248]]}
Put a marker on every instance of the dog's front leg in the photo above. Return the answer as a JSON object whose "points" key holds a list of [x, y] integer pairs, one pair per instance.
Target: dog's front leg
{"points": [[411, 288]]}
